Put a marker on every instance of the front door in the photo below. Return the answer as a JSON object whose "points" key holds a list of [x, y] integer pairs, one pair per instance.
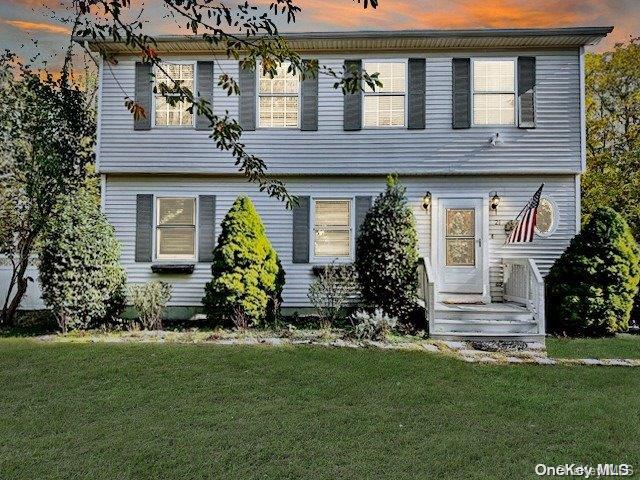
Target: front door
{"points": [[460, 248]]}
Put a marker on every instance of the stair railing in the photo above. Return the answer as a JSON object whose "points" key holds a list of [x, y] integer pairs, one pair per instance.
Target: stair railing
{"points": [[426, 291], [523, 284]]}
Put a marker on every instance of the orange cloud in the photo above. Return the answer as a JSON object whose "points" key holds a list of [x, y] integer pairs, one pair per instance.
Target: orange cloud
{"points": [[501, 13], [38, 26], [451, 14]]}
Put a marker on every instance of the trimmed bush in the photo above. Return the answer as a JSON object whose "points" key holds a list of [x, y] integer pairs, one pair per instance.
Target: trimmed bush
{"points": [[386, 253], [591, 287], [247, 275], [82, 280], [150, 299]]}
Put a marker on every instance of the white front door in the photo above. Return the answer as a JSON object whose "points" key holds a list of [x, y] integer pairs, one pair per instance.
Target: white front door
{"points": [[460, 245]]}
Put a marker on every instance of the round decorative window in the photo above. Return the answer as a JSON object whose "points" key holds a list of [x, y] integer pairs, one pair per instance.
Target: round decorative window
{"points": [[547, 217]]}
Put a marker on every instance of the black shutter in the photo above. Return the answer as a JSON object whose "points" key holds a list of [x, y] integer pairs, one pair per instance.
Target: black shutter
{"points": [[461, 93], [205, 92], [143, 93], [206, 227], [144, 228], [352, 116], [527, 92], [417, 91], [300, 239], [309, 101], [247, 99]]}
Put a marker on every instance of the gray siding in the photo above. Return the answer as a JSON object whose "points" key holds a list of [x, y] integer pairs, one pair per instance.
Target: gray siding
{"points": [[553, 147], [515, 191]]}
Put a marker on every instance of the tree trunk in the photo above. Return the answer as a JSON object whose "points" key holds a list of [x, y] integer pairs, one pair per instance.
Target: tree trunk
{"points": [[9, 313], [10, 308]]}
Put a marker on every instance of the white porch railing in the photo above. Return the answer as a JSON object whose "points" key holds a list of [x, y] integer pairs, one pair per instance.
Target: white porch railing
{"points": [[524, 284], [426, 291]]}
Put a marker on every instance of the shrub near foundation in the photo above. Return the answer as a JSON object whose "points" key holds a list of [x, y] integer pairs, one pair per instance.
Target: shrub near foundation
{"points": [[247, 277], [150, 300], [82, 280], [591, 287], [387, 255]]}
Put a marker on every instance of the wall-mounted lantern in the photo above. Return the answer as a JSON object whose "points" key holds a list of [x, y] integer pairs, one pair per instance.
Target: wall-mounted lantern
{"points": [[426, 200], [495, 202]]}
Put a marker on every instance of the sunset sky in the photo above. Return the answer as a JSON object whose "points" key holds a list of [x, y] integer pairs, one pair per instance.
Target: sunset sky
{"points": [[23, 20]]}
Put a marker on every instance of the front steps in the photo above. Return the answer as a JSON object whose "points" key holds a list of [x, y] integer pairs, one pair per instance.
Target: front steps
{"points": [[486, 321]]}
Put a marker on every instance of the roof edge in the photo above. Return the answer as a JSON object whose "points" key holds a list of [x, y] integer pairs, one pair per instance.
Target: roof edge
{"points": [[592, 35]]}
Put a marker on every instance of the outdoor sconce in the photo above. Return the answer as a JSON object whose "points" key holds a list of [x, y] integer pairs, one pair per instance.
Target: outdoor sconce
{"points": [[495, 202], [426, 200]]}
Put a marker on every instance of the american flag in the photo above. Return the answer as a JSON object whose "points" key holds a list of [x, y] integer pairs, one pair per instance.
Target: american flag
{"points": [[526, 221]]}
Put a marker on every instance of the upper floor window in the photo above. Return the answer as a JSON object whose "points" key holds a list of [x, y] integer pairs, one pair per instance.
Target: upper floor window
{"points": [[332, 228], [494, 92], [176, 228], [278, 99], [173, 115], [385, 106]]}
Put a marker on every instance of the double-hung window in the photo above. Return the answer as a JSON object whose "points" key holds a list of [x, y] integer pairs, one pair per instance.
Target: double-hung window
{"points": [[494, 88], [385, 107], [176, 228], [332, 229], [167, 115], [278, 99]]}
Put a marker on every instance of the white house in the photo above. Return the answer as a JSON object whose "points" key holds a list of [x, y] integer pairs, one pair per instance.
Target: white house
{"points": [[469, 119]]}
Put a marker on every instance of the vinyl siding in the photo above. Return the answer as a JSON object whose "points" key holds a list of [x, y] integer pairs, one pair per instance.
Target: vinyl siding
{"points": [[515, 191], [553, 147]]}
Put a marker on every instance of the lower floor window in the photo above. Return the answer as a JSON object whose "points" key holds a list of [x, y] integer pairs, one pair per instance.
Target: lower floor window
{"points": [[176, 228], [332, 228]]}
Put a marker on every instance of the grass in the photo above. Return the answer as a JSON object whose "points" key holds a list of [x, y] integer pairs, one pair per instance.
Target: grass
{"points": [[620, 346], [136, 411]]}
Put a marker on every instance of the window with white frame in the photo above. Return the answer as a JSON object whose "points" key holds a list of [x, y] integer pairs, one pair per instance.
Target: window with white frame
{"points": [[278, 99], [167, 115], [176, 228], [385, 107], [332, 228], [494, 87]]}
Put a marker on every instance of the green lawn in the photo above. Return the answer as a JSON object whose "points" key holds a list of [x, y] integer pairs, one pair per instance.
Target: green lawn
{"points": [[621, 346], [200, 411]]}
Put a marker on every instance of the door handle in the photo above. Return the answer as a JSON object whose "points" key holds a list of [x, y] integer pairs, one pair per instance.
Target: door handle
{"points": [[479, 243]]}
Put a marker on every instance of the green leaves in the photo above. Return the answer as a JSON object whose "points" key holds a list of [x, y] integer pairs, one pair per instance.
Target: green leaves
{"points": [[247, 277], [386, 253], [331, 290], [591, 287], [150, 300], [48, 135], [82, 280], [613, 132]]}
